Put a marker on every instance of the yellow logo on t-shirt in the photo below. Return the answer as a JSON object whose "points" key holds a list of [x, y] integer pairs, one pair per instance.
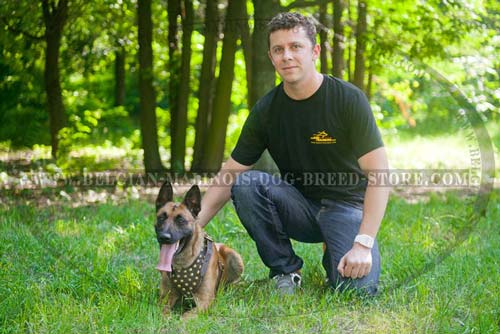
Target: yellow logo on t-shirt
{"points": [[322, 137]]}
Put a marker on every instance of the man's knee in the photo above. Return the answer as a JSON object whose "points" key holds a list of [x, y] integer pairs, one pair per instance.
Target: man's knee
{"points": [[247, 184]]}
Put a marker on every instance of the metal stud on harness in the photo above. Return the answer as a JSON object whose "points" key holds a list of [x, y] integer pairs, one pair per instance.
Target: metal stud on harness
{"points": [[188, 280]]}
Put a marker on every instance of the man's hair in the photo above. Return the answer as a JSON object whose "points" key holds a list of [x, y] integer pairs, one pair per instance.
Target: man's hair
{"points": [[287, 21]]}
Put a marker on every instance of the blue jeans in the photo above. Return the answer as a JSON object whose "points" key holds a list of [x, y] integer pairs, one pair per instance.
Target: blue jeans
{"points": [[273, 212]]}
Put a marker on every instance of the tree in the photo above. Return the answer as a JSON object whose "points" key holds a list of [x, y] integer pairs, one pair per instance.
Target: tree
{"points": [[263, 75], [120, 56], [338, 39], [149, 134], [207, 79], [179, 114], [323, 34], [55, 16], [214, 148], [174, 70], [361, 27]]}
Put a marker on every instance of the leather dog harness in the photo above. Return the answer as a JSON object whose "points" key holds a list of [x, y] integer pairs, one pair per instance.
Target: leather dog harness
{"points": [[188, 280]]}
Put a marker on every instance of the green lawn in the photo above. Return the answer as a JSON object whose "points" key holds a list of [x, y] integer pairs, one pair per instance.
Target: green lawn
{"points": [[91, 269]]}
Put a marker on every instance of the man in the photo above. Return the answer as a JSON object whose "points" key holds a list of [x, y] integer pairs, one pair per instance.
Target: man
{"points": [[322, 135]]}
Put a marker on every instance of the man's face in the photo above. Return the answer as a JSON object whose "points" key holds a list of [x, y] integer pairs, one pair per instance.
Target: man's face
{"points": [[293, 54]]}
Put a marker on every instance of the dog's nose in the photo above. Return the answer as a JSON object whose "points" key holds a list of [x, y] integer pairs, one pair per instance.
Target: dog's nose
{"points": [[164, 237]]}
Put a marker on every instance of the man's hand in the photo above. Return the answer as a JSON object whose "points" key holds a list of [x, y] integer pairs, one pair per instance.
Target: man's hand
{"points": [[356, 263]]}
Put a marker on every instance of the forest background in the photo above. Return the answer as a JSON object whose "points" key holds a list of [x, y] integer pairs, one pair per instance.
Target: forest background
{"points": [[166, 85]]}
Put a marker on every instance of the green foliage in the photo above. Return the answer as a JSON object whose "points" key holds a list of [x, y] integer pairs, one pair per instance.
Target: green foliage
{"points": [[93, 134]]}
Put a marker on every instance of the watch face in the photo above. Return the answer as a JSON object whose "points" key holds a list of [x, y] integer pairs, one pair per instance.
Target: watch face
{"points": [[364, 240]]}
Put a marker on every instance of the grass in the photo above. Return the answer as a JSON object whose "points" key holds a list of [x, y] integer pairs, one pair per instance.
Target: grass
{"points": [[91, 269]]}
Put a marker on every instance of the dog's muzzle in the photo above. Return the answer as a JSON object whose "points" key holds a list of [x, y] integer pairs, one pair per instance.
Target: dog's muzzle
{"points": [[164, 238]]}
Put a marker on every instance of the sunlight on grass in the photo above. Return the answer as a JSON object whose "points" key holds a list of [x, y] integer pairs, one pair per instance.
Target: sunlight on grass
{"points": [[67, 229], [424, 152]]}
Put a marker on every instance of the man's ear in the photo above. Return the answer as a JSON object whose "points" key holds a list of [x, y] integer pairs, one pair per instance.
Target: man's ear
{"points": [[192, 200], [316, 52], [165, 195]]}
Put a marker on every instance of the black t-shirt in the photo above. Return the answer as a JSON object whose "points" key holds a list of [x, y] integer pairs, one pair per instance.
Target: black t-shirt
{"points": [[315, 142]]}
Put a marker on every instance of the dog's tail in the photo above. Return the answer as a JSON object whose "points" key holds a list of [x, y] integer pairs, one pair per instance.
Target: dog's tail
{"points": [[233, 264]]}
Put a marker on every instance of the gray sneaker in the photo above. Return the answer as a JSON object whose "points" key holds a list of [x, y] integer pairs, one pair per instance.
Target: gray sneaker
{"points": [[287, 283]]}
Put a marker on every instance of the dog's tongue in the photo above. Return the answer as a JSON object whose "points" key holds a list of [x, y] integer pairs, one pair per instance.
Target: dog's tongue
{"points": [[166, 255]]}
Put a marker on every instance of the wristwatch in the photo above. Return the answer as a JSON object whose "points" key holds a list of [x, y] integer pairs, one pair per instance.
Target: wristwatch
{"points": [[364, 240]]}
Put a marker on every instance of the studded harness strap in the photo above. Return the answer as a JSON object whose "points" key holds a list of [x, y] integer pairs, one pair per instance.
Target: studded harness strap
{"points": [[188, 280]]}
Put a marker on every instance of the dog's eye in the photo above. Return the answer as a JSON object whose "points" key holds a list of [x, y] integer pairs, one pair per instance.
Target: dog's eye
{"points": [[180, 220], [161, 218]]}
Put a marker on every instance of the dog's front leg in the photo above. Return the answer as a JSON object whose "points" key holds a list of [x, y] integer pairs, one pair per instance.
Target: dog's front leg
{"points": [[167, 291], [173, 297], [202, 298]]}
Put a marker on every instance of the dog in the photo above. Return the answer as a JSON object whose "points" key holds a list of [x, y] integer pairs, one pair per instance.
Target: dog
{"points": [[191, 264]]}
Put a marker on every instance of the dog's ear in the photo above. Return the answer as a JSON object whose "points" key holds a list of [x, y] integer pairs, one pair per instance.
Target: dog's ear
{"points": [[193, 200], [165, 195]]}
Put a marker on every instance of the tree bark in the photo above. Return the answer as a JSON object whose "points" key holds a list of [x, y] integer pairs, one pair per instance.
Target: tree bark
{"points": [[338, 39], [207, 78], [369, 84], [174, 69], [263, 75], [323, 56], [120, 76], [359, 69], [149, 133], [349, 45], [55, 17], [179, 118], [214, 151], [246, 42]]}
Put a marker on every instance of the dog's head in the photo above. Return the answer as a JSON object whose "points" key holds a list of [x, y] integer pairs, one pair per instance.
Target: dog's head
{"points": [[175, 222]]}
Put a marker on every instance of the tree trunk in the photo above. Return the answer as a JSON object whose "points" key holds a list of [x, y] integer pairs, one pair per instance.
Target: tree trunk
{"points": [[263, 76], [207, 78], [323, 56], [349, 45], [174, 69], [179, 119], [246, 42], [120, 76], [222, 103], [369, 84], [338, 39], [149, 134], [359, 69], [54, 18]]}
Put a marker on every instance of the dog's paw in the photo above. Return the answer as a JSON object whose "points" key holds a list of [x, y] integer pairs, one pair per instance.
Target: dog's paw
{"points": [[166, 311], [190, 314]]}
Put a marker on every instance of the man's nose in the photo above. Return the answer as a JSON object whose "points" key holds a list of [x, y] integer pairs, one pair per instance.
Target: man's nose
{"points": [[287, 54]]}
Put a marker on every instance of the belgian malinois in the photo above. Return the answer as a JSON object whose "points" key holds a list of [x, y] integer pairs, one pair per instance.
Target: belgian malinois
{"points": [[191, 264]]}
